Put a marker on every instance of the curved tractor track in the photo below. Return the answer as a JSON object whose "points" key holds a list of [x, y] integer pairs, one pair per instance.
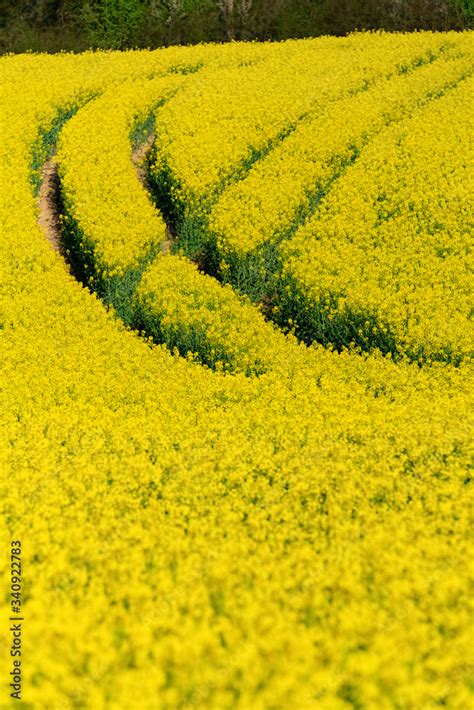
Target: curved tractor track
{"points": [[48, 217], [49, 203], [49, 208]]}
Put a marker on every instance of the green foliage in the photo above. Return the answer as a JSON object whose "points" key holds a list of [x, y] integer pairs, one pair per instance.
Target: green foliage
{"points": [[112, 23], [49, 25], [45, 145], [465, 8]]}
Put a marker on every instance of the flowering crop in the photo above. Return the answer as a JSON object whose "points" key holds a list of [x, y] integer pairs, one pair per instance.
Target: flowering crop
{"points": [[95, 146], [266, 204], [396, 234], [224, 119], [213, 513]]}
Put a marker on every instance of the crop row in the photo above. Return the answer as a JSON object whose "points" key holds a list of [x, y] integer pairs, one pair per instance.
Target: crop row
{"points": [[113, 230], [222, 120], [389, 247], [237, 235]]}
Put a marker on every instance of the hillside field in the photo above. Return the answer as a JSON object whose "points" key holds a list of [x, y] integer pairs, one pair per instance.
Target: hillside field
{"points": [[236, 411]]}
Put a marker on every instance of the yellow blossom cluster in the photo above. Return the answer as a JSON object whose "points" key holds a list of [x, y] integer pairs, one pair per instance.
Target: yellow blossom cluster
{"points": [[95, 150], [192, 311], [184, 308], [277, 191], [198, 538], [390, 245], [116, 230], [225, 118]]}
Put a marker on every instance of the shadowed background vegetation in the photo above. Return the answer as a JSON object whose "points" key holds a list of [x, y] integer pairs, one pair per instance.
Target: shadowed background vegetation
{"points": [[51, 25]]}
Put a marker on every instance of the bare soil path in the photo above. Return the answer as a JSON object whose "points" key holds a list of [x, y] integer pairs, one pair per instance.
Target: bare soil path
{"points": [[139, 158], [48, 218]]}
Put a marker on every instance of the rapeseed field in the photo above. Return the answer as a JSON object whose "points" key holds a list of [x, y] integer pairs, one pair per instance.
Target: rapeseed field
{"points": [[236, 400]]}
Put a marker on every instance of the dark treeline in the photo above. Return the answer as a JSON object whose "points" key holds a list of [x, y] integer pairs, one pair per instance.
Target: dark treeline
{"points": [[51, 25]]}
